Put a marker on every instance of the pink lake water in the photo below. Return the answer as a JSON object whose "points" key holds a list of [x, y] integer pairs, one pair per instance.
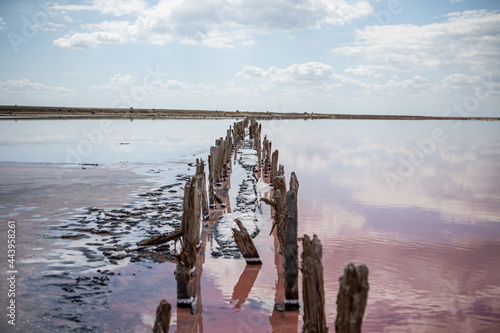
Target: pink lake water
{"points": [[416, 201]]}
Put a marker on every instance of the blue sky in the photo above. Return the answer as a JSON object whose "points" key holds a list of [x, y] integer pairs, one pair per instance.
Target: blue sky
{"points": [[438, 57]]}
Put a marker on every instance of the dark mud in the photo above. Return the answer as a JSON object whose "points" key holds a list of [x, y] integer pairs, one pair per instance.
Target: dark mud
{"points": [[105, 239]]}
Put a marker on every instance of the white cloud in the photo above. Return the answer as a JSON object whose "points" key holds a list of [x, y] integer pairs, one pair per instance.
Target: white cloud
{"points": [[362, 71], [26, 86], [88, 40], [310, 70], [206, 22], [457, 81], [319, 78], [124, 85], [464, 41], [3, 24], [122, 80], [47, 26], [321, 81], [118, 83], [112, 7]]}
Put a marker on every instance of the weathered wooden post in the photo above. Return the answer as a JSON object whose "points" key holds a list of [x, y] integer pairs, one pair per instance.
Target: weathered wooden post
{"points": [[290, 253], [294, 184], [183, 278], [266, 151], [274, 167], [279, 195], [313, 293], [163, 314], [191, 219], [259, 148], [351, 300], [215, 151], [202, 187], [211, 180], [228, 142], [245, 244]]}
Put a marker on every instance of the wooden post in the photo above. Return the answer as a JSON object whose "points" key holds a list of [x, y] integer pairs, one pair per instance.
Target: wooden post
{"points": [[245, 244], [163, 313], [266, 152], [259, 148], [290, 253], [279, 216], [202, 187], [313, 293], [228, 147], [183, 278], [215, 152], [279, 194], [294, 184], [191, 219], [211, 187], [274, 167], [351, 300]]}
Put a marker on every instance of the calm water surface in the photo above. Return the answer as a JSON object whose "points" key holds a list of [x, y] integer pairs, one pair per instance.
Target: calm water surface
{"points": [[416, 201]]}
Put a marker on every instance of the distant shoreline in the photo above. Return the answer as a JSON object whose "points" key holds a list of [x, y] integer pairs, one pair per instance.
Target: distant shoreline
{"points": [[49, 112]]}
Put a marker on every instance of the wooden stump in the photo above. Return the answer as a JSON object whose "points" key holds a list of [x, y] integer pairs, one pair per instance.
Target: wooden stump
{"points": [[290, 253], [313, 292], [351, 300], [245, 244], [183, 278], [163, 313]]}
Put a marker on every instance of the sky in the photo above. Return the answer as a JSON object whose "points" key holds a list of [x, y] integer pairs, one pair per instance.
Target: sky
{"points": [[418, 57]]}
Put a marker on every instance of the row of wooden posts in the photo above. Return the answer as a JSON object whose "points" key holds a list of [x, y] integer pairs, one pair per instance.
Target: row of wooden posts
{"points": [[353, 288]]}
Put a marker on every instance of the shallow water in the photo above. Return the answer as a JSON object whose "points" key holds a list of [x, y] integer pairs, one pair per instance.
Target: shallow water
{"points": [[416, 201]]}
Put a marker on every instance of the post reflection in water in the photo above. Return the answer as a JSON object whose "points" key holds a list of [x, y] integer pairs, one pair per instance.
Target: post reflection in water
{"points": [[245, 283]]}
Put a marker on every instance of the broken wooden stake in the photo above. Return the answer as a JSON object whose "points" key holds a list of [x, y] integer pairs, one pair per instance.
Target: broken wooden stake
{"points": [[160, 239], [313, 293], [351, 300], [290, 253], [245, 244], [163, 314], [219, 200]]}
